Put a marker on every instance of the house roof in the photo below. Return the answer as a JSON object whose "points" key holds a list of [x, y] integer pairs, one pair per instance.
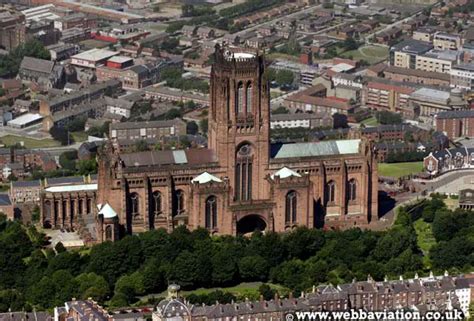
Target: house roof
{"points": [[38, 65], [5, 200], [122, 103], [146, 124], [455, 114]]}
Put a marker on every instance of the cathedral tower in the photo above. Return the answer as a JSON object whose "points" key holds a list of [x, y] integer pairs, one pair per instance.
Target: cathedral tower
{"points": [[239, 120]]}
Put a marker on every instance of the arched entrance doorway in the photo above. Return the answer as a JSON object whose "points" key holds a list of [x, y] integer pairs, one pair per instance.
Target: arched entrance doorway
{"points": [[250, 224], [47, 213]]}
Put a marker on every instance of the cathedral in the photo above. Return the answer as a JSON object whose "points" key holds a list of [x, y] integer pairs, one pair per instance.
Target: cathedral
{"points": [[241, 182]]}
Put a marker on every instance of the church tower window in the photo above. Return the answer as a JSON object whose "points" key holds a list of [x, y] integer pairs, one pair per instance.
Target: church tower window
{"points": [[352, 190], [243, 173], [331, 192], [135, 204], [156, 205], [240, 99], [249, 98], [290, 207], [211, 212]]}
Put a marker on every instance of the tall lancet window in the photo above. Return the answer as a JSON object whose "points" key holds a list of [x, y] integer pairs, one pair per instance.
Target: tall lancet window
{"points": [[211, 212], [249, 98], [240, 99], [243, 173]]}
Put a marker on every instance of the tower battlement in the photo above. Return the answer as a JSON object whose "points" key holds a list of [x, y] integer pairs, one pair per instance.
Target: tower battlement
{"points": [[227, 59]]}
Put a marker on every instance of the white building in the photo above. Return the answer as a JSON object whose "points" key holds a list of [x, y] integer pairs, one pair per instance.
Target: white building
{"points": [[92, 58], [119, 107], [462, 76]]}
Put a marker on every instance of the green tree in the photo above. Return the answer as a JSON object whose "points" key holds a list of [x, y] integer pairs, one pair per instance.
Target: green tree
{"points": [[350, 44], [153, 276], [192, 128], [224, 267], [280, 110], [253, 268], [59, 248], [141, 146], [204, 125], [86, 166], [292, 275], [267, 292], [172, 113], [303, 242], [284, 77], [185, 271], [92, 286], [61, 135], [10, 63], [67, 160]]}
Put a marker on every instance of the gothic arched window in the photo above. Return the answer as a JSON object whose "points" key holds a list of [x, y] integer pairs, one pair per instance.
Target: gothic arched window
{"points": [[290, 207], [134, 204], [178, 202], [352, 190], [331, 191], [249, 98], [108, 233], [243, 173], [240, 99], [156, 202], [211, 212]]}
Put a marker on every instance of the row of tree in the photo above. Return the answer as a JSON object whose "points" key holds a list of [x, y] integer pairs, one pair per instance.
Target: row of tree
{"points": [[120, 272]]}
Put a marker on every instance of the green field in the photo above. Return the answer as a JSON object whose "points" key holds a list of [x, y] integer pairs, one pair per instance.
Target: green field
{"points": [[79, 136], [371, 121], [399, 169], [10, 140], [425, 239], [249, 289], [371, 54]]}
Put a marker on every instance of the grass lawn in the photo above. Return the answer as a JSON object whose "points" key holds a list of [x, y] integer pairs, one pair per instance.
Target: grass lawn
{"points": [[245, 288], [399, 169], [425, 239], [10, 140], [371, 121], [159, 27], [371, 54], [451, 203], [79, 136], [279, 55]]}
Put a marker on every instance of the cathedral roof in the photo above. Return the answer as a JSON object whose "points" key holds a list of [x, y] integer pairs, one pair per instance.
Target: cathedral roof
{"points": [[72, 188], [206, 178], [312, 149], [169, 157], [108, 211], [285, 172]]}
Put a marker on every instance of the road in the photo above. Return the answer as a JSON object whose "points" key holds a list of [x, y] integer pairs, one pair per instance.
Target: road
{"points": [[395, 24], [272, 21]]}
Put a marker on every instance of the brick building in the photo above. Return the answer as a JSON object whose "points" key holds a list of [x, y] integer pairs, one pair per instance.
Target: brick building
{"points": [[146, 130], [12, 28], [389, 96], [134, 77], [241, 182], [416, 76], [455, 123]]}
